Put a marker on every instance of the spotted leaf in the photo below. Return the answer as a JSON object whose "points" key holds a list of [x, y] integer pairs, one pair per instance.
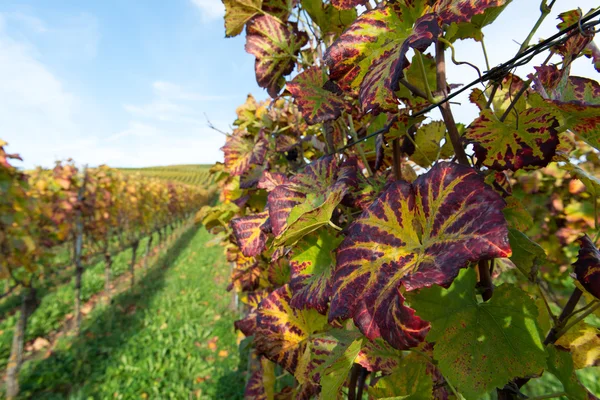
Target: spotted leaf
{"points": [[472, 27], [414, 235], [347, 4], [249, 233], [530, 141], [578, 104], [312, 265], [498, 339], [458, 11], [587, 266], [409, 381], [377, 355], [274, 45], [283, 332], [370, 55], [242, 151], [428, 146], [316, 103]]}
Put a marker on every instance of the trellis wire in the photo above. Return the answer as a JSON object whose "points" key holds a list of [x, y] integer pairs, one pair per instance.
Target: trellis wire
{"points": [[498, 72]]}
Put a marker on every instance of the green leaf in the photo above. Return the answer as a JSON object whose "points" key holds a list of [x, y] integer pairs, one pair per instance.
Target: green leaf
{"points": [[517, 215], [341, 348], [312, 264], [472, 28], [328, 18], [525, 253], [409, 381], [560, 363], [428, 144], [481, 346]]}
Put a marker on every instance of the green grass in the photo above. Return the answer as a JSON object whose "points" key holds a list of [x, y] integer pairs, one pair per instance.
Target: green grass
{"points": [[152, 342], [58, 301]]}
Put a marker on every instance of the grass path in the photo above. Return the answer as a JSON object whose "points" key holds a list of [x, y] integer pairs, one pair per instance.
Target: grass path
{"points": [[169, 338]]}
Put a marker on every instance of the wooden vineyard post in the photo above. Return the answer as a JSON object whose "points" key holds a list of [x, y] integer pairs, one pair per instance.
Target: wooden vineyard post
{"points": [[134, 248]]}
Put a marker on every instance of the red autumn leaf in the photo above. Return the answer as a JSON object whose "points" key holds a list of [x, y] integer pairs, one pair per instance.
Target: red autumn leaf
{"points": [[309, 196], [415, 235], [316, 103], [242, 151], [587, 266], [274, 45], [529, 141], [249, 233], [270, 180]]}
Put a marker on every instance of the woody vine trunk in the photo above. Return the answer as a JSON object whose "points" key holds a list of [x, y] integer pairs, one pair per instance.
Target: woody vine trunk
{"points": [[28, 306]]}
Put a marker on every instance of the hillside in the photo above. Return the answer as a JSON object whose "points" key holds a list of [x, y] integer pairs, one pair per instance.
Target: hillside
{"points": [[191, 174]]}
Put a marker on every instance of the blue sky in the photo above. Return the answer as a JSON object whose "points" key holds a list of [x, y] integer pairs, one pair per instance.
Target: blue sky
{"points": [[128, 83]]}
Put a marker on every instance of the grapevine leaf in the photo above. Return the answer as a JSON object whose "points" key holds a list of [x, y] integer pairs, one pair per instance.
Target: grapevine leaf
{"points": [[409, 381], [377, 355], [237, 13], [329, 18], [279, 271], [514, 145], [261, 385], [249, 233], [312, 268], [316, 103], [587, 266], [334, 355], [517, 215], [347, 4], [495, 341], [560, 363], [414, 235], [283, 332], [591, 182], [270, 180], [458, 11], [414, 76], [579, 107], [242, 151], [308, 200], [275, 46], [583, 341], [246, 273], [428, 144], [525, 253], [473, 27], [370, 55]]}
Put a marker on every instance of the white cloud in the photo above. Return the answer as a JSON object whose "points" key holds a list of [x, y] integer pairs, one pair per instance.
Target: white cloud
{"points": [[172, 103], [210, 9], [36, 111]]}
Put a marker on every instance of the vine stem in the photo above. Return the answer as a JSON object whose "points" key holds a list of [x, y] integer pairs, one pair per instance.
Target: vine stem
{"points": [[577, 320], [485, 55], [421, 65], [359, 146], [397, 152], [440, 61], [485, 280], [566, 312], [545, 9]]}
